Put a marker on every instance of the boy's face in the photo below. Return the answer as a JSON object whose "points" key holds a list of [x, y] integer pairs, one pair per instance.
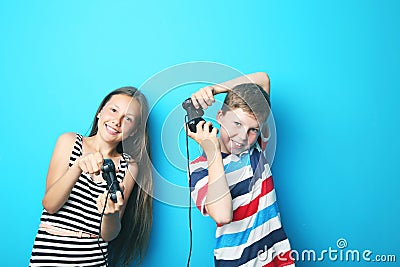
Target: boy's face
{"points": [[239, 130]]}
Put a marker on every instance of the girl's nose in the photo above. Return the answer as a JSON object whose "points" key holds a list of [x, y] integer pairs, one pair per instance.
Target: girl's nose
{"points": [[117, 121]]}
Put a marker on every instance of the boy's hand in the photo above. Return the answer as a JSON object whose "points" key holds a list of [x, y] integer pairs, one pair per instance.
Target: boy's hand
{"points": [[204, 97], [207, 139]]}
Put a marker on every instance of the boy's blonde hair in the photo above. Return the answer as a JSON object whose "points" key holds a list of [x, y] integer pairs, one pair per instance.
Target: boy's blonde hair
{"points": [[251, 98]]}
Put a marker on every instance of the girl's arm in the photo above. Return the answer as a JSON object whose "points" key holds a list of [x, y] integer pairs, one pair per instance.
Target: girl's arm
{"points": [[205, 96], [111, 224], [60, 178]]}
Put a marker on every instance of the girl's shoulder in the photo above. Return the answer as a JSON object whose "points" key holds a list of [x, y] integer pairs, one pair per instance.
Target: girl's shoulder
{"points": [[63, 149], [68, 137], [67, 140]]}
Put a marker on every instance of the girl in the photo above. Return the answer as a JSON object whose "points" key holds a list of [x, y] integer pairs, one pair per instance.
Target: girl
{"points": [[73, 231]]}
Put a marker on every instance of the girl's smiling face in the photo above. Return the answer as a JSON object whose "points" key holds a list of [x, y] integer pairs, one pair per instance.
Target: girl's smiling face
{"points": [[118, 118], [239, 130]]}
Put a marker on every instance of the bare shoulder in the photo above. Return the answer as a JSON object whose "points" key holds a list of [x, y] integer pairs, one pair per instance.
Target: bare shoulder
{"points": [[66, 138], [59, 162], [64, 145], [133, 169]]}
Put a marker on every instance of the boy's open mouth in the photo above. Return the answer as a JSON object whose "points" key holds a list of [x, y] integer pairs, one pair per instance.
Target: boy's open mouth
{"points": [[237, 144]]}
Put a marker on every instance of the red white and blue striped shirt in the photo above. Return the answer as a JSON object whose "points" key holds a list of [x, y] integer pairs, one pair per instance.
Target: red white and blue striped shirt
{"points": [[255, 237]]}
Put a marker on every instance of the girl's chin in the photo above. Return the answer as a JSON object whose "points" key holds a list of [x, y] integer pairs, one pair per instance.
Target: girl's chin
{"points": [[111, 137]]}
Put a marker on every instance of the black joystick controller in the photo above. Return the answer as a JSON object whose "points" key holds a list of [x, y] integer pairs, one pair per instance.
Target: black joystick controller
{"points": [[194, 114], [108, 172]]}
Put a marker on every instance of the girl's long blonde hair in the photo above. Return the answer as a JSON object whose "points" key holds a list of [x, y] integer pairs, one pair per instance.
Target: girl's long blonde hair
{"points": [[132, 241]]}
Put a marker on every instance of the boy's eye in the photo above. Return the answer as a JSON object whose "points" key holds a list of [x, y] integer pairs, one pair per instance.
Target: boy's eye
{"points": [[128, 119], [113, 110], [237, 123]]}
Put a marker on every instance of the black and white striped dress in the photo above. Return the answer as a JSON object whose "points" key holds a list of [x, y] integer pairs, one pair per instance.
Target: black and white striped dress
{"points": [[79, 213]]}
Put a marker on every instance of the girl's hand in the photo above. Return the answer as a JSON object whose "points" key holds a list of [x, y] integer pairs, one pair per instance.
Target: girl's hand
{"points": [[111, 207], [91, 163]]}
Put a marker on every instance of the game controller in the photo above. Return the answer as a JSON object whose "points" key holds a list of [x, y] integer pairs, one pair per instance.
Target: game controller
{"points": [[108, 172], [193, 114]]}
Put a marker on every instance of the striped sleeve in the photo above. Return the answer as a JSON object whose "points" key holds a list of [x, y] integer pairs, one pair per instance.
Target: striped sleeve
{"points": [[199, 182]]}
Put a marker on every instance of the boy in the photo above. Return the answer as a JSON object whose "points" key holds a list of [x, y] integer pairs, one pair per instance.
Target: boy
{"points": [[232, 183]]}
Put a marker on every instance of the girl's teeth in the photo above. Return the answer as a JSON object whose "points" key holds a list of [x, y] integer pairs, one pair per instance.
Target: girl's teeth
{"points": [[111, 129]]}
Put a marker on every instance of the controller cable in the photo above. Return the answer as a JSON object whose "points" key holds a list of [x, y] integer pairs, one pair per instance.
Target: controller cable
{"points": [[190, 198], [101, 220]]}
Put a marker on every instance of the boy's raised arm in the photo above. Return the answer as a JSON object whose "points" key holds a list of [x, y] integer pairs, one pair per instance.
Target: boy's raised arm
{"points": [[260, 78], [205, 96]]}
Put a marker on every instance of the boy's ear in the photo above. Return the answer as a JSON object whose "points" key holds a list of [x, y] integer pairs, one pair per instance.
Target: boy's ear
{"points": [[264, 136], [219, 116]]}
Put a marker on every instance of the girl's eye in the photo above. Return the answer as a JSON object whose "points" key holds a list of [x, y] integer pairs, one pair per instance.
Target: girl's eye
{"points": [[237, 123], [254, 130], [128, 119], [113, 110]]}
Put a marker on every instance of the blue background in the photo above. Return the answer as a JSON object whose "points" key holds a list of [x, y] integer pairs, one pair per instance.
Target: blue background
{"points": [[334, 68]]}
